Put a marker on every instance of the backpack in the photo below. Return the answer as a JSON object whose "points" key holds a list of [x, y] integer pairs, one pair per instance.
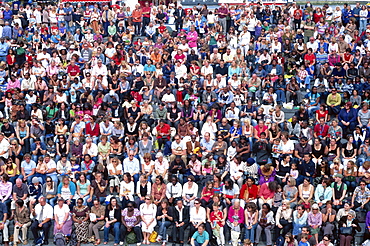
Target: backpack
{"points": [[280, 241], [59, 239], [40, 240], [131, 238]]}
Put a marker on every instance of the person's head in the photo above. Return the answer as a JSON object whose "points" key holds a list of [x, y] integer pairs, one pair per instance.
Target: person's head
{"points": [[304, 238], [305, 230], [351, 215], [159, 180]]}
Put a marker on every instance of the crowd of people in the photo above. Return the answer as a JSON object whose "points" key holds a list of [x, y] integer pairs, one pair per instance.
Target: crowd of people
{"points": [[166, 124]]}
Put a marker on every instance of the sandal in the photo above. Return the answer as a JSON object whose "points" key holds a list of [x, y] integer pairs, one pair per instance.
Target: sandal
{"points": [[97, 242]]}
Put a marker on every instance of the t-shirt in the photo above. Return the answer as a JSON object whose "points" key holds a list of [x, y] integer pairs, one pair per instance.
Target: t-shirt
{"points": [[20, 191], [28, 166], [61, 212], [201, 238]]}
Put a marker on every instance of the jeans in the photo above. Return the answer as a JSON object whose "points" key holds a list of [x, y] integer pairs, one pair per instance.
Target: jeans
{"points": [[163, 228], [311, 111], [249, 233], [280, 96], [116, 232]]}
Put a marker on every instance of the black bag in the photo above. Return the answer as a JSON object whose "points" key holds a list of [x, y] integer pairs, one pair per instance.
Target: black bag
{"points": [[345, 231], [283, 222]]}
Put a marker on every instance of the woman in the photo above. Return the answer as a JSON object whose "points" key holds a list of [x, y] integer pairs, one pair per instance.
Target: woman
{"points": [[165, 218], [306, 192], [80, 217], [290, 192], [299, 220], [23, 133], [97, 221], [22, 221], [283, 219], [348, 225], [143, 189], [328, 218], [266, 222], [147, 165], [127, 190], [333, 150], [190, 191], [115, 172], [251, 221], [11, 170], [350, 175], [197, 216], [349, 150], [158, 190], [235, 218], [326, 241], [319, 150], [49, 191], [314, 220], [83, 188], [112, 221], [131, 221], [145, 146], [62, 218], [148, 212], [62, 147], [67, 191], [267, 192]]}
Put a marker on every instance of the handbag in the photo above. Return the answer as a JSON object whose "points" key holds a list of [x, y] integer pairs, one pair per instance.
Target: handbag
{"points": [[131, 238], [345, 231], [153, 237]]}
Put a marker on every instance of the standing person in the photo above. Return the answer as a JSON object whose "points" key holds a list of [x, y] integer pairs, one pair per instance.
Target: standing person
{"points": [[179, 15], [4, 222], [146, 10], [42, 214], [136, 19]]}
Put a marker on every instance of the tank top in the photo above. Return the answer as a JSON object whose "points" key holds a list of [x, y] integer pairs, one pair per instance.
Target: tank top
{"points": [[306, 193], [22, 134]]}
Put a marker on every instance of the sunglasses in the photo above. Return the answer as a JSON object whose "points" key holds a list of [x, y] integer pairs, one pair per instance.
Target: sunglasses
{"points": [[129, 206], [196, 203], [147, 198]]}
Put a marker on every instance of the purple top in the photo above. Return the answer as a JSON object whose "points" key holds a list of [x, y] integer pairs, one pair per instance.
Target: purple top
{"points": [[314, 219]]}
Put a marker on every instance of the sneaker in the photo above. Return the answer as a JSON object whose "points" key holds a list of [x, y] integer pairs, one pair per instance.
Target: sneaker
{"points": [[121, 243], [308, 90]]}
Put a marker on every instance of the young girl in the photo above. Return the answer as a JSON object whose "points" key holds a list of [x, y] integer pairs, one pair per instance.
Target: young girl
{"points": [[217, 223], [276, 151], [207, 194], [294, 171], [278, 198]]}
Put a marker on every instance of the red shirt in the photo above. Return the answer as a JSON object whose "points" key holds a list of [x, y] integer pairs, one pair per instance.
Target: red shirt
{"points": [[321, 130], [310, 58], [73, 70], [161, 29], [92, 132], [253, 191], [213, 217], [297, 14], [146, 9], [166, 129]]}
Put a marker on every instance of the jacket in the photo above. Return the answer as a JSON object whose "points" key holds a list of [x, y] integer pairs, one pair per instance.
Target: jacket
{"points": [[185, 215]]}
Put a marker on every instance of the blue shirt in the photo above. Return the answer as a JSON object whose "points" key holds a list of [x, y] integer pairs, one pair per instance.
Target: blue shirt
{"points": [[4, 47], [7, 14], [201, 238], [206, 144], [28, 166]]}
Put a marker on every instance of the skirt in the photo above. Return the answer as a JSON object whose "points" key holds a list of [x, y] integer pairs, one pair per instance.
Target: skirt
{"points": [[82, 230]]}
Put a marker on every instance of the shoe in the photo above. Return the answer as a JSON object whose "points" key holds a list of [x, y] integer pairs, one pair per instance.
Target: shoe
{"points": [[25, 242], [138, 244], [121, 243], [308, 90]]}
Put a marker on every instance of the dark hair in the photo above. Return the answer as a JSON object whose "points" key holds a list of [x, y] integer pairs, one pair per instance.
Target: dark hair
{"points": [[160, 178], [20, 202], [110, 203]]}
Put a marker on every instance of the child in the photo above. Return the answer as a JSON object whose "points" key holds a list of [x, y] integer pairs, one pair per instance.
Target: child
{"points": [[294, 171], [75, 169], [207, 194], [217, 223], [278, 198], [207, 169], [268, 117], [276, 151], [304, 241]]}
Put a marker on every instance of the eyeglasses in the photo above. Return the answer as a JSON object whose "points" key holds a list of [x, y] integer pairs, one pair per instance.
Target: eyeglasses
{"points": [[48, 181], [147, 198], [114, 161], [326, 239], [196, 203], [177, 138]]}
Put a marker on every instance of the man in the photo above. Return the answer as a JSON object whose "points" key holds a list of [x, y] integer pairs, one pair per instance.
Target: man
{"points": [[347, 118], [4, 222], [181, 219], [28, 168], [8, 130], [339, 191], [262, 149], [200, 237], [37, 130], [361, 197], [321, 129], [52, 168], [306, 232], [161, 167], [306, 169], [207, 143], [174, 190], [302, 148], [178, 148], [131, 165], [314, 103], [90, 148], [42, 214], [179, 15], [209, 97], [38, 149], [223, 12], [4, 147], [192, 145], [107, 16], [146, 17], [98, 189]]}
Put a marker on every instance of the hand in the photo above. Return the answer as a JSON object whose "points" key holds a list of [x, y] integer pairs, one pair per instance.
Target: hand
{"points": [[107, 224], [280, 226], [40, 225]]}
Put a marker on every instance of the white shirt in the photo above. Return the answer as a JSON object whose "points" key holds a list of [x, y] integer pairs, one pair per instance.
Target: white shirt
{"points": [[173, 190], [51, 164], [61, 212], [93, 151], [4, 146], [199, 217], [46, 214]]}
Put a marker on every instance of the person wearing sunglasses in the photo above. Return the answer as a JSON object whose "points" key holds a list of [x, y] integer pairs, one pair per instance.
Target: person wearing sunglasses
{"points": [[131, 221], [326, 241], [148, 212]]}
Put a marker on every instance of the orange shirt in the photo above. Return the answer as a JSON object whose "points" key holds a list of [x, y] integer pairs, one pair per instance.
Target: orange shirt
{"points": [[137, 14]]}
